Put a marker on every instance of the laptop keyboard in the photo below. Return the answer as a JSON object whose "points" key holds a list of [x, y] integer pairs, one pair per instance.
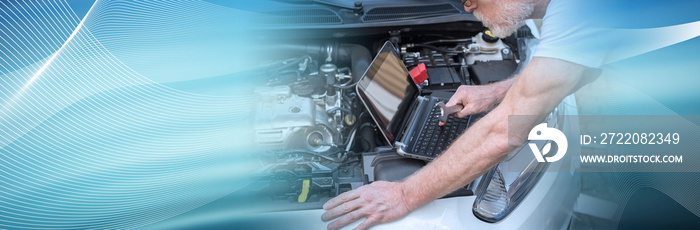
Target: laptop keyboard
{"points": [[433, 139]]}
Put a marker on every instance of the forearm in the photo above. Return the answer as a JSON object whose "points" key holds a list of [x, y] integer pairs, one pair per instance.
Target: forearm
{"points": [[500, 88], [471, 155], [485, 143]]}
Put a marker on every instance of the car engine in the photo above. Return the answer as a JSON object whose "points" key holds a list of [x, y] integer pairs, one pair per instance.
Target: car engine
{"points": [[307, 119]]}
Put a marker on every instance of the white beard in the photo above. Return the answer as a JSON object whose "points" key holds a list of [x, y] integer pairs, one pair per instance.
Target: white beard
{"points": [[510, 16]]}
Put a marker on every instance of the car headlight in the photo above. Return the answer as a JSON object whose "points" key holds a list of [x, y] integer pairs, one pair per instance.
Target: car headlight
{"points": [[504, 186]]}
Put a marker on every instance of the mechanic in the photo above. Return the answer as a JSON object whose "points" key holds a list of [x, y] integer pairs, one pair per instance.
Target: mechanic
{"points": [[558, 68]]}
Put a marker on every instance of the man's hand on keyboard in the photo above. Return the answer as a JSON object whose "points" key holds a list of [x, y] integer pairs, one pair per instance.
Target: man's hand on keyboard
{"points": [[478, 98]]}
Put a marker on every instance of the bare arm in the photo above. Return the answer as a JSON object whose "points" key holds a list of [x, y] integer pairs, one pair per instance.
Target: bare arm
{"points": [[537, 91]]}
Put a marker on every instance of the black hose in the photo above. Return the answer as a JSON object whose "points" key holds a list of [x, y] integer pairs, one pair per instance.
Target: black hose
{"points": [[367, 137], [436, 48], [358, 56], [339, 108], [448, 40], [348, 86], [344, 164]]}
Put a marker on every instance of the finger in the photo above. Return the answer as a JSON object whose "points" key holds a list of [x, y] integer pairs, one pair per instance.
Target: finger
{"points": [[341, 209], [443, 123], [454, 100], [345, 197], [466, 111], [369, 222], [457, 98], [347, 219]]}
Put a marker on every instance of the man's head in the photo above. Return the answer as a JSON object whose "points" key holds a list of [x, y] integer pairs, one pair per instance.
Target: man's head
{"points": [[502, 17]]}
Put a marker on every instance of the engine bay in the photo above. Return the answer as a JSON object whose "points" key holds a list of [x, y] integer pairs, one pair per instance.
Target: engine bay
{"points": [[318, 140]]}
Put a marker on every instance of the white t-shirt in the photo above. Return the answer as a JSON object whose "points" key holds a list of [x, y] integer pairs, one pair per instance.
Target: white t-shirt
{"points": [[569, 32], [567, 35]]}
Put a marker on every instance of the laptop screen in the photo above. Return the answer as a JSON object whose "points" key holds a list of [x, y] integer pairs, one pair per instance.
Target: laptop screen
{"points": [[387, 91]]}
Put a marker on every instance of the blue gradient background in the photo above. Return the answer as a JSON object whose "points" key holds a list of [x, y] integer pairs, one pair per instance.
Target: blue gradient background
{"points": [[143, 118]]}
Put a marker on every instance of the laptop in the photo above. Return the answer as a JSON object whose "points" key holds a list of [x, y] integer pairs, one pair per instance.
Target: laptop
{"points": [[407, 120]]}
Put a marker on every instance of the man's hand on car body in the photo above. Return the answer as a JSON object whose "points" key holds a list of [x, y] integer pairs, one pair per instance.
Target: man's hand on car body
{"points": [[379, 202]]}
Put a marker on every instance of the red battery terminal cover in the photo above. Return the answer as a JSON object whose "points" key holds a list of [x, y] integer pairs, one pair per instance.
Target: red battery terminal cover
{"points": [[419, 73]]}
